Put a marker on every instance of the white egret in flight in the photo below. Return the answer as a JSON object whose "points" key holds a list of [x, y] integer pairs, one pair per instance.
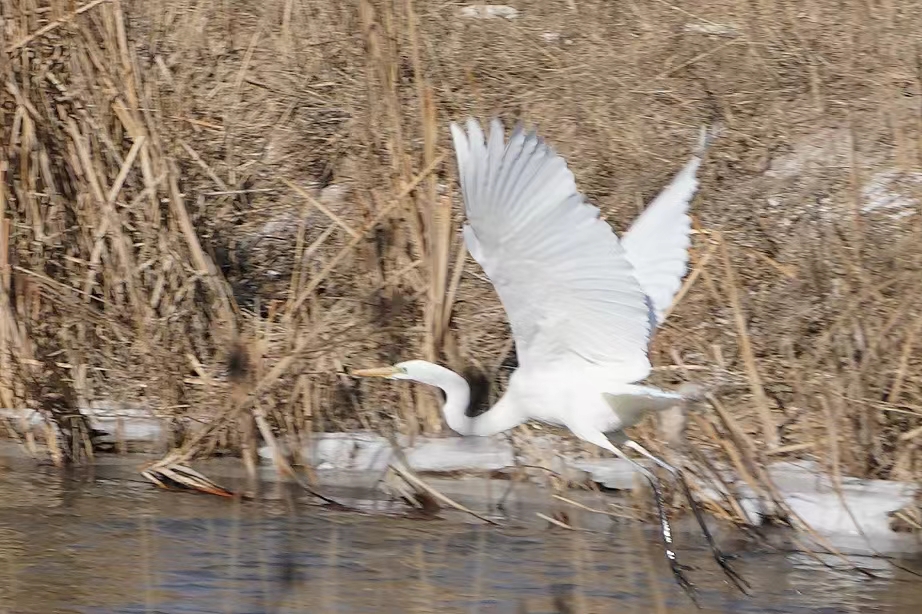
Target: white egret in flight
{"points": [[582, 304]]}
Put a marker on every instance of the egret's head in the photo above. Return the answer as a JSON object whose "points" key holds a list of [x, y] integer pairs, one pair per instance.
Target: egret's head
{"points": [[416, 370]]}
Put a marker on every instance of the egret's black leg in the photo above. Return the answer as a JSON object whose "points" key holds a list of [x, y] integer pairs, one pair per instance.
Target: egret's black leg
{"points": [[734, 577], [678, 572], [677, 569]]}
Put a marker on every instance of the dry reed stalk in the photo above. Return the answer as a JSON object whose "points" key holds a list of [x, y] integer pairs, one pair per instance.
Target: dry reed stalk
{"points": [[594, 510], [832, 428], [403, 469], [202, 261], [345, 251], [556, 522], [320, 206], [738, 462], [905, 355], [736, 512], [383, 62], [769, 430], [6, 383], [53, 26]]}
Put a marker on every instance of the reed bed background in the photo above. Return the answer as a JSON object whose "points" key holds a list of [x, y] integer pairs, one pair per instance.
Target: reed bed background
{"points": [[182, 177]]}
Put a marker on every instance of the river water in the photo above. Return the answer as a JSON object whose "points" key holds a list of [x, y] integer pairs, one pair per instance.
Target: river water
{"points": [[102, 540]]}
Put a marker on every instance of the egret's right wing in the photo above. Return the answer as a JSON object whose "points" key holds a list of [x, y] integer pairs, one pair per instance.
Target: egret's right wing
{"points": [[657, 243], [558, 268]]}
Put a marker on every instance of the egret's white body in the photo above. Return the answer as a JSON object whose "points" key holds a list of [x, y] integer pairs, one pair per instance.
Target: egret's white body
{"points": [[584, 400], [582, 304]]}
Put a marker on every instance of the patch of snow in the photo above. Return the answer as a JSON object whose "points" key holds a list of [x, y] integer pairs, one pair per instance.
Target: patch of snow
{"points": [[886, 191], [133, 428], [827, 514], [362, 450], [828, 148], [613, 473], [31, 417], [334, 195], [279, 227], [489, 11], [555, 37], [370, 451], [811, 495], [805, 488], [460, 454], [138, 424]]}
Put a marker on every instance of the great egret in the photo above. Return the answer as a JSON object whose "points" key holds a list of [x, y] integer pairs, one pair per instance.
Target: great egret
{"points": [[582, 304]]}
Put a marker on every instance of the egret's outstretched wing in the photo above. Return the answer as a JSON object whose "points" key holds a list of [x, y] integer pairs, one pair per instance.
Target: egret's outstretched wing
{"points": [[657, 243], [559, 270]]}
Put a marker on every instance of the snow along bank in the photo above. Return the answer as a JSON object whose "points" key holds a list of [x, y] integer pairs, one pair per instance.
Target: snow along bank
{"points": [[805, 488]]}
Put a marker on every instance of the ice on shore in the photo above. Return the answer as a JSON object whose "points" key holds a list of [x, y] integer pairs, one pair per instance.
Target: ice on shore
{"points": [[862, 507], [859, 507]]}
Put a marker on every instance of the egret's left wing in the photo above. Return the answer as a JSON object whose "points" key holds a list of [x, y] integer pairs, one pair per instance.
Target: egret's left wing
{"points": [[657, 243], [558, 268]]}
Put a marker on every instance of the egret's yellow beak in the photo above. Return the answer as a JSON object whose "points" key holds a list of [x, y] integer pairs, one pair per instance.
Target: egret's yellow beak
{"points": [[378, 372]]}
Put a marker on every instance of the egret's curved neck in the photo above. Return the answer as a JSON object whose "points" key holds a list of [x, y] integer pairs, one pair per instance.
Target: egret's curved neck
{"points": [[501, 417]]}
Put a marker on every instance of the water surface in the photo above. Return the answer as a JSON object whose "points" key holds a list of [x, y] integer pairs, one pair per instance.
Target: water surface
{"points": [[103, 541]]}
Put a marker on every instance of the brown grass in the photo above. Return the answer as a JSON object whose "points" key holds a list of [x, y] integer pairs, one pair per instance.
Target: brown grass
{"points": [[179, 175]]}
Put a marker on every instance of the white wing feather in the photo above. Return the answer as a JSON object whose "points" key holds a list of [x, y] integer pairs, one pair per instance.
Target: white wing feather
{"points": [[657, 243], [560, 271]]}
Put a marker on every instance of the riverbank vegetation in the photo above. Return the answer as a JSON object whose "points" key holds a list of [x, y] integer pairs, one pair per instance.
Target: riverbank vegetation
{"points": [[184, 181]]}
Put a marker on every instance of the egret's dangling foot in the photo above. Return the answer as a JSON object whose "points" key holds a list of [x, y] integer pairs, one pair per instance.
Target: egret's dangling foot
{"points": [[719, 556]]}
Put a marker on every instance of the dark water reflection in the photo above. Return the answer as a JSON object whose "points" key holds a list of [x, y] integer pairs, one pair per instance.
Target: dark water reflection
{"points": [[111, 544]]}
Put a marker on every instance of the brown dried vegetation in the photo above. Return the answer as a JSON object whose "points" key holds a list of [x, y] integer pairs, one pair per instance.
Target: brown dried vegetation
{"points": [[180, 177]]}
